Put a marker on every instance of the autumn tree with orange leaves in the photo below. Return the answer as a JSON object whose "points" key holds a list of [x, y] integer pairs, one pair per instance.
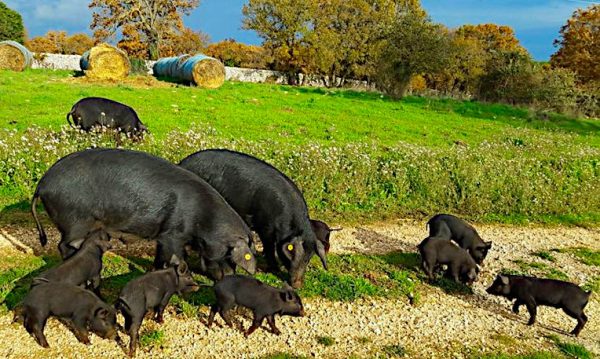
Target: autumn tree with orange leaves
{"points": [[59, 42], [579, 45], [140, 21]]}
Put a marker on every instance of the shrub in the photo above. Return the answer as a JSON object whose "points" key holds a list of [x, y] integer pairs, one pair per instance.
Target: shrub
{"points": [[236, 54], [11, 25]]}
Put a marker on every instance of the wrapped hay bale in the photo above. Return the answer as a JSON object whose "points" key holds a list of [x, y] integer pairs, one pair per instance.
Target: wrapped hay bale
{"points": [[105, 62], [14, 56], [202, 70]]}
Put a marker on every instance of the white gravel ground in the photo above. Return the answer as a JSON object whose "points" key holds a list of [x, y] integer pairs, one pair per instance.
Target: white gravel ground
{"points": [[439, 326]]}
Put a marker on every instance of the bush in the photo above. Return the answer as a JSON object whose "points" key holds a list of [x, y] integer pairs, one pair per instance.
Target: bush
{"points": [[11, 25], [236, 54]]}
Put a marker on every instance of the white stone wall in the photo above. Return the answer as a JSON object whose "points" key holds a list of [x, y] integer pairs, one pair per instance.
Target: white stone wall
{"points": [[71, 62]]}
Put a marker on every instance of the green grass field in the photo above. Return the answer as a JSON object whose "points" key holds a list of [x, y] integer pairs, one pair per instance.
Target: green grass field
{"points": [[357, 156]]}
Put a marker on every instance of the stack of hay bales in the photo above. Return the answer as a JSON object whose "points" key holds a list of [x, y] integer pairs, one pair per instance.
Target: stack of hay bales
{"points": [[14, 56], [105, 62], [202, 70]]}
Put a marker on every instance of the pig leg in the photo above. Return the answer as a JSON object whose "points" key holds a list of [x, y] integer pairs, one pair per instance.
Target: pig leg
{"points": [[516, 306], [271, 321], [159, 309], [581, 319], [532, 308], [80, 330], [454, 271], [256, 323], [211, 318], [35, 326], [269, 251], [428, 267], [95, 286], [134, 329]]}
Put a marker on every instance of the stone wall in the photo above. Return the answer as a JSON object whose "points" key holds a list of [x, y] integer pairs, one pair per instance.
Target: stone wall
{"points": [[71, 62]]}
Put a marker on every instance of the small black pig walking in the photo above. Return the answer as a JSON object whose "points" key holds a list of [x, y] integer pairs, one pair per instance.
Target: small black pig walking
{"points": [[532, 292], [264, 301], [152, 291], [80, 308]]}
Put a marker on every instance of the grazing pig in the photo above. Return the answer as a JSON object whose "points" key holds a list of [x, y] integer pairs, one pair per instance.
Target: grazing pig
{"points": [[451, 227], [152, 291], [129, 193], [436, 252], [80, 308], [268, 201], [264, 301], [83, 267], [97, 111], [531, 292], [322, 231]]}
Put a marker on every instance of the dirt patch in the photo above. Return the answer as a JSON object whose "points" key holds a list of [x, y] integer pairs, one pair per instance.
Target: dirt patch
{"points": [[440, 325]]}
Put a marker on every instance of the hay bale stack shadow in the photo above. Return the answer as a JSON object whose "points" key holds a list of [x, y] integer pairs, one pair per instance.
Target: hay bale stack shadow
{"points": [[14, 56], [204, 71], [105, 62]]}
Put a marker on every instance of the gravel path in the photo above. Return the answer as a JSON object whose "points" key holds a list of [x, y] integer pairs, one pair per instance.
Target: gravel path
{"points": [[439, 326]]}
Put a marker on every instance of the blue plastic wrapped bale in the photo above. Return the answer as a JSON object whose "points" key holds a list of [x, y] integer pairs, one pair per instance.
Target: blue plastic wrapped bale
{"points": [[202, 70], [14, 56], [105, 62]]}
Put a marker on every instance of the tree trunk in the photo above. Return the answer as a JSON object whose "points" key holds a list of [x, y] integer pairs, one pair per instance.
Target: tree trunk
{"points": [[153, 45]]}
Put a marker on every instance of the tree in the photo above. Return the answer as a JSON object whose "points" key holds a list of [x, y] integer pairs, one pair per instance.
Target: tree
{"points": [[153, 20], [579, 45], [284, 26], [11, 25], [58, 42], [186, 41], [414, 45], [492, 37]]}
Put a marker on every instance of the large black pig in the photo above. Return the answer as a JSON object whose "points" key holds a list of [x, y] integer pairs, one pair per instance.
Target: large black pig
{"points": [[268, 201], [127, 192]]}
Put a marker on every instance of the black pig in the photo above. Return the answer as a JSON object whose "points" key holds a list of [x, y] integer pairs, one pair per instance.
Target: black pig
{"points": [[436, 252], [152, 291], [83, 267], [97, 111], [531, 292], [131, 193], [80, 308], [264, 301], [268, 201], [450, 227]]}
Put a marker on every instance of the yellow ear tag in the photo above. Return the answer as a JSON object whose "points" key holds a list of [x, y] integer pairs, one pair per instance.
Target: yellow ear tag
{"points": [[290, 247], [247, 256]]}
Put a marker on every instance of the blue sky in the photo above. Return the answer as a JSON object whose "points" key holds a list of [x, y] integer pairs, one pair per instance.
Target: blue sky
{"points": [[536, 22]]}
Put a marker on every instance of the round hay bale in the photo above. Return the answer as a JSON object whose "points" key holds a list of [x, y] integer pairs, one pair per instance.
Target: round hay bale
{"points": [[105, 62], [202, 70], [14, 56]]}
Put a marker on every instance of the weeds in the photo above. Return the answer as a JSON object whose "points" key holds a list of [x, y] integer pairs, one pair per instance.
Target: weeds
{"points": [[585, 255], [544, 255], [362, 181], [326, 341]]}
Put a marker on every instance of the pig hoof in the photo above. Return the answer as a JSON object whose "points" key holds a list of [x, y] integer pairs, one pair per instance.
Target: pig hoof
{"points": [[276, 332]]}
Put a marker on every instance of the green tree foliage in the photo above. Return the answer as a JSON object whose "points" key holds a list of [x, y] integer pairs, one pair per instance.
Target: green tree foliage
{"points": [[414, 45], [284, 26], [11, 25], [233, 53], [335, 39]]}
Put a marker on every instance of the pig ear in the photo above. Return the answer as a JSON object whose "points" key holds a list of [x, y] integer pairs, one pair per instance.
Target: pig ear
{"points": [[286, 296], [321, 253], [182, 268], [503, 279], [286, 286], [102, 313], [174, 260], [488, 245]]}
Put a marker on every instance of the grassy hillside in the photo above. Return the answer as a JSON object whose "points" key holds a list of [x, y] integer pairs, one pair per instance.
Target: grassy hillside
{"points": [[356, 156]]}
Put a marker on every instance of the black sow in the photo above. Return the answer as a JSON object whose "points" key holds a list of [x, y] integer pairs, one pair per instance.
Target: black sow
{"points": [[127, 193], [268, 201]]}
